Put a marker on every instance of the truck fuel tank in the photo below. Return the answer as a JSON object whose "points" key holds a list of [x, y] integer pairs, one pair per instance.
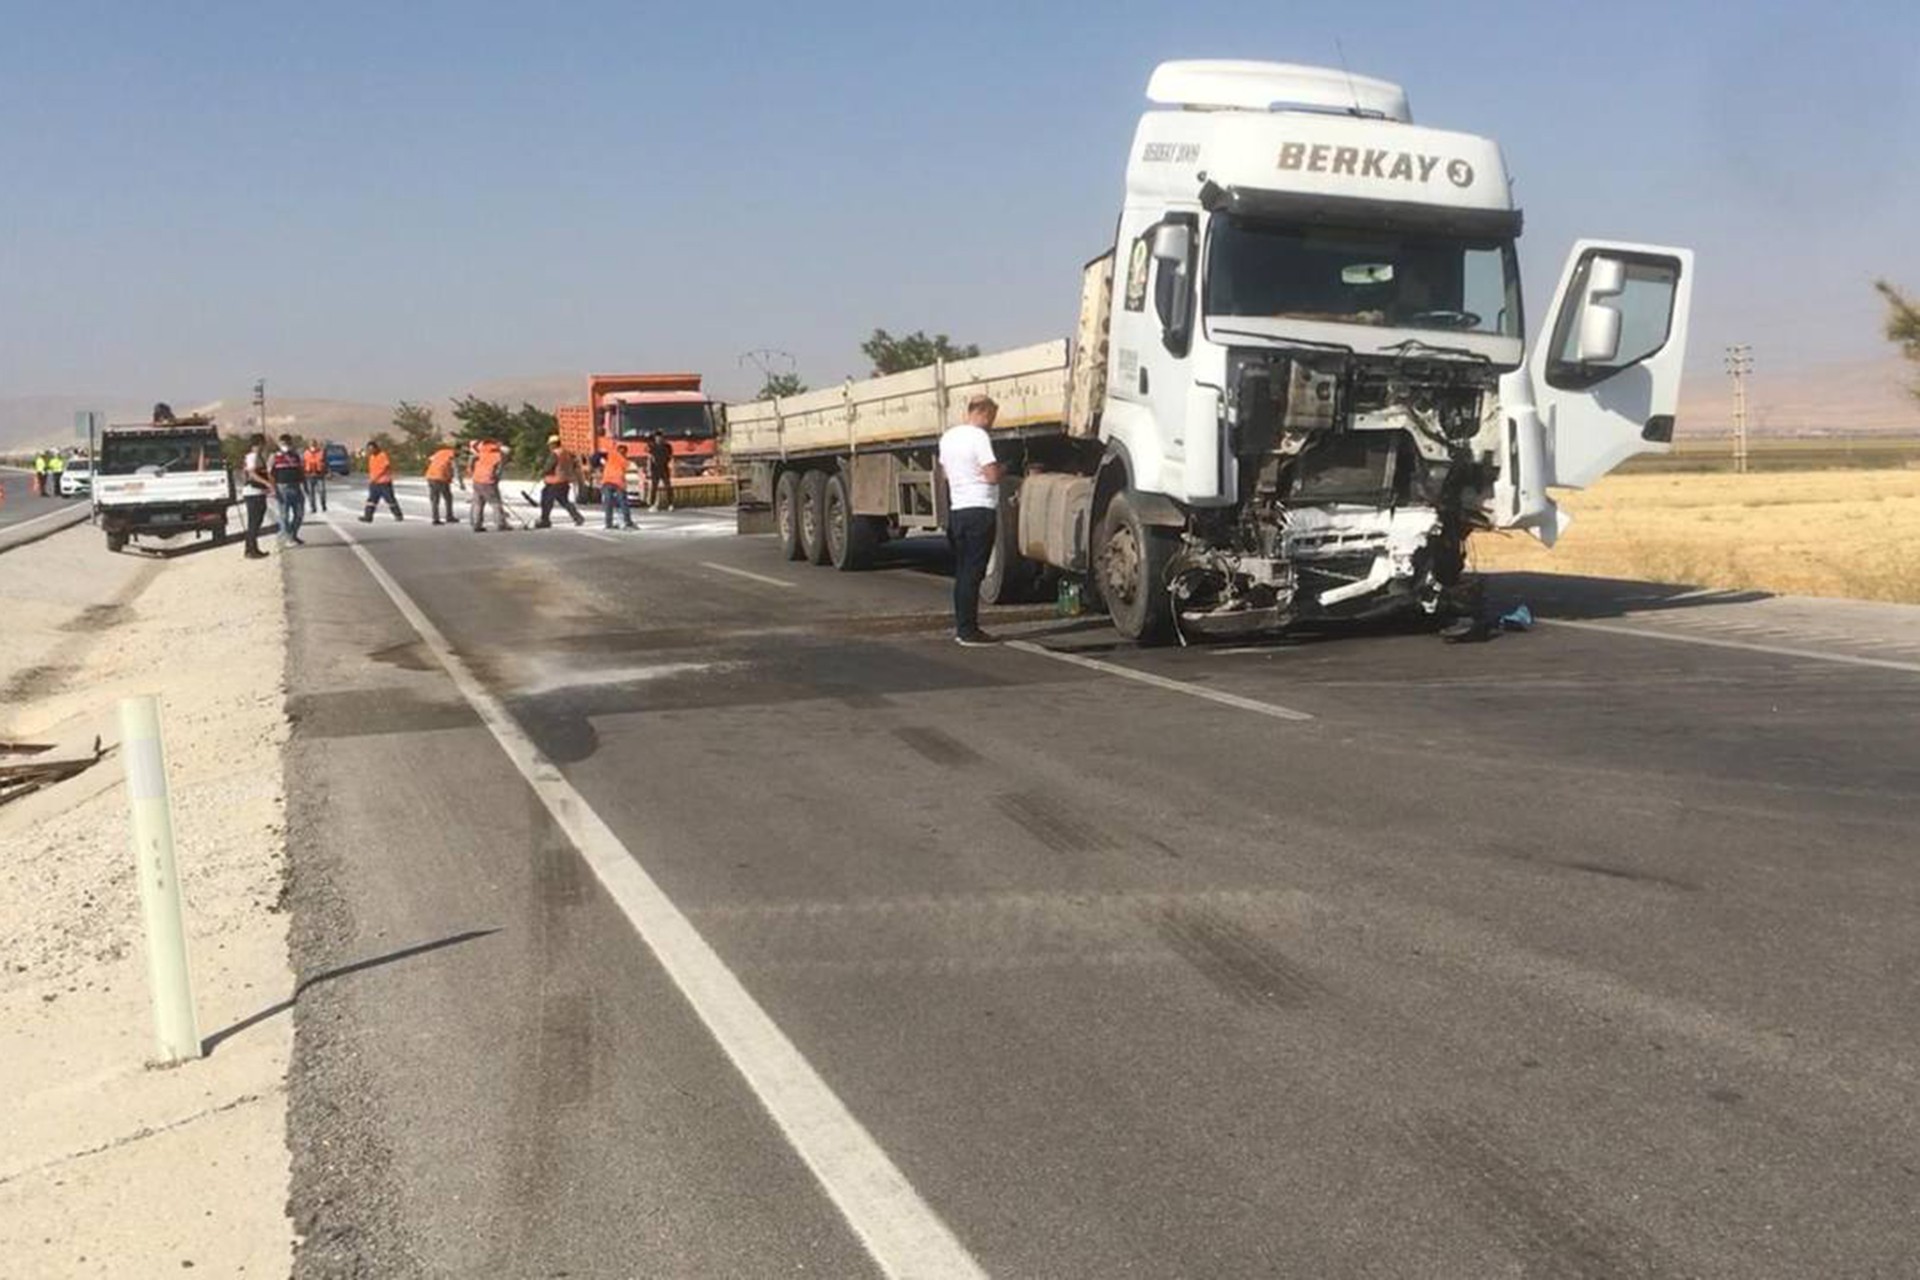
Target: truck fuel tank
{"points": [[1055, 512]]}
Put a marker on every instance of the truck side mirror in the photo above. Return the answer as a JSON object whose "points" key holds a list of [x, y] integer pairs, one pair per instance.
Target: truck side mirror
{"points": [[1172, 248], [1599, 340], [1172, 243]]}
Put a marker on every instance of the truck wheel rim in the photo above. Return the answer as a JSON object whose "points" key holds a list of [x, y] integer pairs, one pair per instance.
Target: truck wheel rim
{"points": [[1122, 565]]}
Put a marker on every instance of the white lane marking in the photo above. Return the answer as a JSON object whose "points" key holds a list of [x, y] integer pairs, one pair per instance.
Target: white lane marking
{"points": [[1225, 699], [547, 678], [742, 573], [901, 1232], [1777, 650]]}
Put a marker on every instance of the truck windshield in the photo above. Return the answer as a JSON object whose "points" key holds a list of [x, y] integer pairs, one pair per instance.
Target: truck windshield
{"points": [[160, 453], [1342, 275], [686, 420]]}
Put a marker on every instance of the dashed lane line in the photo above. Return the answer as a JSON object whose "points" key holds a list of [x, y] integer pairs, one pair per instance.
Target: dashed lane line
{"points": [[1220, 696], [1776, 650], [900, 1231], [743, 573]]}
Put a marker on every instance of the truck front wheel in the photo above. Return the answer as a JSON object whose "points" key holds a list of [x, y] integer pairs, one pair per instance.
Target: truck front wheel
{"points": [[1131, 567], [786, 514]]}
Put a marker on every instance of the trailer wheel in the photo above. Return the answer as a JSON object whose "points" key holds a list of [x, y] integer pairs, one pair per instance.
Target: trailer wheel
{"points": [[1131, 566], [851, 539], [220, 534], [786, 514], [116, 541], [813, 517]]}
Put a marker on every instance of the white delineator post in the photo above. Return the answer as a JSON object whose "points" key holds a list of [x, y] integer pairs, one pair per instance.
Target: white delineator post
{"points": [[176, 1027]]}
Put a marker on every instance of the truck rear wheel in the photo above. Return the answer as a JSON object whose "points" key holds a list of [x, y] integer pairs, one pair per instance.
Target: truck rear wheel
{"points": [[116, 541], [813, 517], [1011, 578], [1131, 566], [851, 539], [786, 514]]}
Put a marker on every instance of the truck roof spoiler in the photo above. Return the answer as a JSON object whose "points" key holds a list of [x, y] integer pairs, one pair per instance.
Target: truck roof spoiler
{"points": [[1229, 84]]}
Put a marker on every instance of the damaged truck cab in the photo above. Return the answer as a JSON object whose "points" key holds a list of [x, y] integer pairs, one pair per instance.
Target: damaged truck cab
{"points": [[1299, 384], [1301, 381]]}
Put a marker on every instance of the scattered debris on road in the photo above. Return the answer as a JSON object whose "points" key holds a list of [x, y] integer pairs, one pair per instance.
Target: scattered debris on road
{"points": [[17, 780]]}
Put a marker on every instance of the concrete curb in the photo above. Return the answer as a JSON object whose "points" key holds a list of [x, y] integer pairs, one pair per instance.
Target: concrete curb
{"points": [[44, 527]]}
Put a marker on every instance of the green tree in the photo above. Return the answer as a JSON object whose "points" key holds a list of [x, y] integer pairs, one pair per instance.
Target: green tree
{"points": [[416, 435], [488, 420], [912, 351], [780, 386], [1903, 325], [533, 426]]}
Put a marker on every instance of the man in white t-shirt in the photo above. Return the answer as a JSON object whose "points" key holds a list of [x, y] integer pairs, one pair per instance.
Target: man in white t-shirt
{"points": [[255, 485], [973, 502]]}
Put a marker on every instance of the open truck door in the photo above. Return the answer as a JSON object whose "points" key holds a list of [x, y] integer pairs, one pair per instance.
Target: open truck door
{"points": [[1602, 382]]}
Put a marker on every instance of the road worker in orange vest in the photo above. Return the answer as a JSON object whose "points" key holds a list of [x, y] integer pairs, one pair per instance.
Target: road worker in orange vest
{"points": [[613, 486], [443, 468], [313, 465], [489, 461], [379, 483], [558, 476]]}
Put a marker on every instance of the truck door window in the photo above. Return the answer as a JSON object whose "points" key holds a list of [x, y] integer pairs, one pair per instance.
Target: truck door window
{"points": [[1645, 303]]}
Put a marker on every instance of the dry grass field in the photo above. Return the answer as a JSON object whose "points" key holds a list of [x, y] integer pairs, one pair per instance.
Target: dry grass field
{"points": [[1808, 532]]}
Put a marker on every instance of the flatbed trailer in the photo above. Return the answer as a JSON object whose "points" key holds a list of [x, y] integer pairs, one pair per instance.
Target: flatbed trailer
{"points": [[837, 472]]}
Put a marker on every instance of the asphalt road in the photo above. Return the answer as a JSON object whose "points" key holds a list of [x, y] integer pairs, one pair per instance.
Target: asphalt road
{"points": [[1588, 951], [22, 508]]}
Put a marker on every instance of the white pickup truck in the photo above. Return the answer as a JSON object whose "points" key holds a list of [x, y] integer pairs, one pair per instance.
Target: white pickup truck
{"points": [[163, 480], [1300, 381]]}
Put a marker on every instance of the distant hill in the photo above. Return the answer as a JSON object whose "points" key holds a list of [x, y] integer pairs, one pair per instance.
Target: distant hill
{"points": [[1855, 397], [1861, 397], [32, 422]]}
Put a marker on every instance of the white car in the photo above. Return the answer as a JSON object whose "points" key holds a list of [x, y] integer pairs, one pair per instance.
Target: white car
{"points": [[76, 480]]}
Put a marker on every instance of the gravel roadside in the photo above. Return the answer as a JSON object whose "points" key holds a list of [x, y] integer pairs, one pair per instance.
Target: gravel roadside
{"points": [[112, 1168]]}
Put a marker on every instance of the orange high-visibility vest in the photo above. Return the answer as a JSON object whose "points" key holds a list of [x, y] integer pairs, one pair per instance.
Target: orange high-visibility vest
{"points": [[486, 464], [379, 468], [614, 470], [565, 469], [440, 465], [314, 461]]}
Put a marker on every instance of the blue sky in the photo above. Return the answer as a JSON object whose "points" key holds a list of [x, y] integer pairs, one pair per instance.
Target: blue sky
{"points": [[374, 200]]}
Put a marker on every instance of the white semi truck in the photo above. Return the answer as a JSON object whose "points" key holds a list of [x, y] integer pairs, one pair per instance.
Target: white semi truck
{"points": [[1298, 386]]}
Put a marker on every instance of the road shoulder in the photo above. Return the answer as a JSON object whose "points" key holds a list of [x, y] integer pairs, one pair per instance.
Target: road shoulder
{"points": [[112, 1167]]}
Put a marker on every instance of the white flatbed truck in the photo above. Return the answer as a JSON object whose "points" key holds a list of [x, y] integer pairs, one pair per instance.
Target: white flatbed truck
{"points": [[162, 480], [1298, 385]]}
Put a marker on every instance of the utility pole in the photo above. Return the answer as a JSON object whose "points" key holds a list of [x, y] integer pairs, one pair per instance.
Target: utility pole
{"points": [[1739, 365], [768, 361], [260, 404]]}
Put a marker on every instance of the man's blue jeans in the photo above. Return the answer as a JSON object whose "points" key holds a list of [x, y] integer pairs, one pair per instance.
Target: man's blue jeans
{"points": [[293, 509], [615, 497]]}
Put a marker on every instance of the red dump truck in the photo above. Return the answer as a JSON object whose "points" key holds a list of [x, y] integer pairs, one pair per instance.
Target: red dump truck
{"points": [[629, 408]]}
